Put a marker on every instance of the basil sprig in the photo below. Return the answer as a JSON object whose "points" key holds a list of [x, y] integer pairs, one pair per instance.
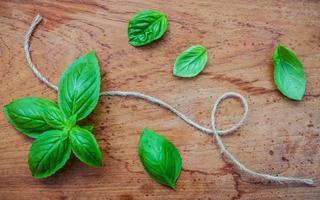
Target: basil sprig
{"points": [[191, 62], [288, 73], [146, 26], [160, 158], [54, 126]]}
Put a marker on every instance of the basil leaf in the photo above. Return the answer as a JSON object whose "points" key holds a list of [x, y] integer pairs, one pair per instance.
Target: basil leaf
{"points": [[160, 158], [49, 153], [146, 26], [71, 122], [87, 127], [288, 73], [79, 87], [31, 115], [191, 62], [54, 117], [85, 147]]}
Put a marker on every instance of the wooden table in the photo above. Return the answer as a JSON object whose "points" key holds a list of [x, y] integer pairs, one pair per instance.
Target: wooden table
{"points": [[279, 137]]}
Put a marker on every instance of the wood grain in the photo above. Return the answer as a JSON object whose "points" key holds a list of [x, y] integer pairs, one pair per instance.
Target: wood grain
{"points": [[279, 137]]}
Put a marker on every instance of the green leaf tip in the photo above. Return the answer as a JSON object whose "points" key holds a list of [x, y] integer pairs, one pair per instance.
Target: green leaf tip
{"points": [[160, 158], [91, 53], [289, 75]]}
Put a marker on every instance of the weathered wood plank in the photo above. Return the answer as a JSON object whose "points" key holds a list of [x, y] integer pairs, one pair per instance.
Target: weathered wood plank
{"points": [[280, 136]]}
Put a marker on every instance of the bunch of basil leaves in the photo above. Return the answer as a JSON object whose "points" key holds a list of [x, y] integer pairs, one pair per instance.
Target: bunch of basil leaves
{"points": [[55, 126]]}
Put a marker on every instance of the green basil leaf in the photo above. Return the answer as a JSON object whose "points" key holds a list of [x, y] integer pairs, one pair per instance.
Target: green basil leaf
{"points": [[71, 122], [160, 158], [79, 87], [288, 73], [146, 26], [54, 117], [32, 116], [49, 153], [191, 62], [85, 147], [88, 128]]}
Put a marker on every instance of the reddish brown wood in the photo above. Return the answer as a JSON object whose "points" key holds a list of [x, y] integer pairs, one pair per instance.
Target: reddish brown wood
{"points": [[280, 136]]}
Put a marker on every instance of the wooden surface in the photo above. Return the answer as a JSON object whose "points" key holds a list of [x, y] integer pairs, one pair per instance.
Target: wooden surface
{"points": [[280, 136]]}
